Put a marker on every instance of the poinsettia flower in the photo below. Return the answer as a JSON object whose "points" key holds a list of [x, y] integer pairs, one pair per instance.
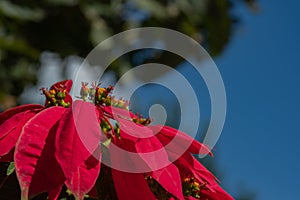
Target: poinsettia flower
{"points": [[59, 144], [13, 120]]}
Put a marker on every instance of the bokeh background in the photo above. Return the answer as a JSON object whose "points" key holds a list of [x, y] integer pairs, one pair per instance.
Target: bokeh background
{"points": [[254, 44]]}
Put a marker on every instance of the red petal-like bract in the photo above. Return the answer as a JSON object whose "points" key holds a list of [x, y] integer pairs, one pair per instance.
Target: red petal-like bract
{"points": [[191, 198], [13, 111], [11, 124], [35, 164], [8, 142], [131, 186], [10, 119], [9, 157], [133, 129], [77, 139], [93, 192], [54, 193], [177, 141], [169, 178], [137, 154], [188, 165], [123, 154], [116, 112], [152, 152]]}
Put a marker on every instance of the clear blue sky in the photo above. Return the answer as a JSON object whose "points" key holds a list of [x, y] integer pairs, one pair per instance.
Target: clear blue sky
{"points": [[259, 146]]}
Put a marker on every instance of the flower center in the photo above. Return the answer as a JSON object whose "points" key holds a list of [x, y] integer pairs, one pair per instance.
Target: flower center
{"points": [[55, 97], [191, 187], [101, 97]]}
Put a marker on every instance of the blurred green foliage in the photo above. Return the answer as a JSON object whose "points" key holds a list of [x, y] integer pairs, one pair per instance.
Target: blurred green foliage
{"points": [[74, 27]]}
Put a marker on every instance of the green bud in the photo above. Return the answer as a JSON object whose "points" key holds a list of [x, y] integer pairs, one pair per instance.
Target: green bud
{"points": [[60, 95]]}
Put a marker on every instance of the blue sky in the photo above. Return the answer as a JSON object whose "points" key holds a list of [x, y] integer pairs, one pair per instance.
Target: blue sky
{"points": [[259, 146]]}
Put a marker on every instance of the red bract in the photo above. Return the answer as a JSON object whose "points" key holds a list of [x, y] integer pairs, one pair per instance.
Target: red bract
{"points": [[191, 169], [169, 178], [10, 128], [59, 144], [131, 186], [177, 141], [13, 120], [34, 155], [81, 169]]}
